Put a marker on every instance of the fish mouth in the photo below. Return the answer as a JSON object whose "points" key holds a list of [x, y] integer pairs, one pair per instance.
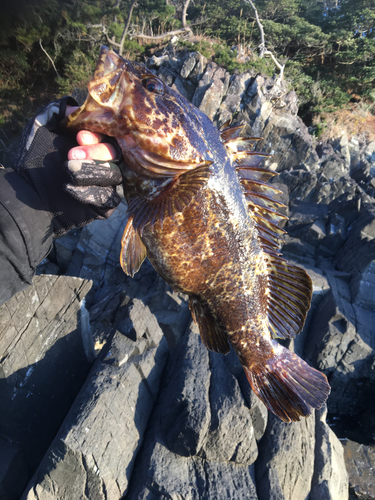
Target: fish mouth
{"points": [[150, 121]]}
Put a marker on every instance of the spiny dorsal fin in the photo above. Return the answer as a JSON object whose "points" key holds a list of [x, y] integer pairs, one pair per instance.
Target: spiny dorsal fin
{"points": [[289, 287], [240, 144], [212, 335], [133, 251], [250, 158], [227, 133], [289, 296], [169, 200]]}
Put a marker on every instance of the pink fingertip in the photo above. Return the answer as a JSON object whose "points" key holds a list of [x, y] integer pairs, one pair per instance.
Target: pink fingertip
{"points": [[77, 154]]}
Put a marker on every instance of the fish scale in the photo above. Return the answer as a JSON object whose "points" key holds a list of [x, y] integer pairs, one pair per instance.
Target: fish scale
{"points": [[201, 209]]}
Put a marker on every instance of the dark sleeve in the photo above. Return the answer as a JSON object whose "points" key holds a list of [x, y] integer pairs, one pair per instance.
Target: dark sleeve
{"points": [[25, 233]]}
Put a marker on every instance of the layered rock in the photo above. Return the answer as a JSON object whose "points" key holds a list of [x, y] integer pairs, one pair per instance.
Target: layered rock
{"points": [[203, 433]]}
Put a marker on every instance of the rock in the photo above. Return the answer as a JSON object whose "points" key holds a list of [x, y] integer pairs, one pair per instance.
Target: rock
{"points": [[360, 462], [356, 256], [258, 411], [64, 248], [94, 452], [189, 64], [231, 435], [184, 87], [45, 356], [287, 138], [211, 89], [200, 442], [330, 335], [334, 168], [285, 466], [231, 102], [330, 480], [166, 75], [13, 470]]}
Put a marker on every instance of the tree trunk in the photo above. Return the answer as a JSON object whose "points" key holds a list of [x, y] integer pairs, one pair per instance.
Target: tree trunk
{"points": [[124, 33]]}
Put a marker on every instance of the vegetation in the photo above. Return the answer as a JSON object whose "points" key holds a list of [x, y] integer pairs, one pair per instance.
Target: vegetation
{"points": [[48, 47]]}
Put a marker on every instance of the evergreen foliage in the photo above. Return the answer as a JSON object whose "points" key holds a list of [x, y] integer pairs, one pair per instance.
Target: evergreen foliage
{"points": [[328, 46]]}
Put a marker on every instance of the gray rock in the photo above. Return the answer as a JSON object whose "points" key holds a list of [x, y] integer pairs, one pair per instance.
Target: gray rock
{"points": [[258, 411], [285, 466], [211, 89], [360, 462], [184, 87], [43, 364], [330, 334], [286, 136], [93, 454], [231, 435], [185, 410], [356, 256], [189, 64], [330, 480], [13, 470], [166, 75], [334, 168], [231, 102], [200, 442]]}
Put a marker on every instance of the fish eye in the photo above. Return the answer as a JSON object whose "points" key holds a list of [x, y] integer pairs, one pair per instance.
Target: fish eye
{"points": [[153, 85]]}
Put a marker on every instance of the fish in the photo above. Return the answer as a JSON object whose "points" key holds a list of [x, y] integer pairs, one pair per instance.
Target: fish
{"points": [[201, 208]]}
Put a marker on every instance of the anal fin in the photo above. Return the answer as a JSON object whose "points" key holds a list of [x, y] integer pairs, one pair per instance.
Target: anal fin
{"points": [[287, 385], [133, 251], [212, 335]]}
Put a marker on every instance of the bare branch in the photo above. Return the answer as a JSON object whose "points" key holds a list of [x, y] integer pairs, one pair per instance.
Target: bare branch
{"points": [[263, 51], [262, 45], [49, 57], [163, 35], [184, 10], [124, 33]]}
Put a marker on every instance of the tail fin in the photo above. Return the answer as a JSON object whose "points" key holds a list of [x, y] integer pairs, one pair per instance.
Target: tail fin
{"points": [[287, 385]]}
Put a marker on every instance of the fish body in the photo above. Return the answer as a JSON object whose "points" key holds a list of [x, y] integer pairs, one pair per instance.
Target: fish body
{"points": [[200, 208]]}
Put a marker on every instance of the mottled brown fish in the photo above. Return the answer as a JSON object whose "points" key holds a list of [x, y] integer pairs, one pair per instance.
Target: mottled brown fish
{"points": [[200, 208]]}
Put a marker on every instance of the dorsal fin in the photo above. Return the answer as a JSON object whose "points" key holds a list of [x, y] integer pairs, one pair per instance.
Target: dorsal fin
{"points": [[250, 158], [289, 296], [168, 200], [240, 144], [227, 133], [289, 287]]}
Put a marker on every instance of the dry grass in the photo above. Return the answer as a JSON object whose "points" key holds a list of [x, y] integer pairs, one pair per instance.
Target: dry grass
{"points": [[356, 120]]}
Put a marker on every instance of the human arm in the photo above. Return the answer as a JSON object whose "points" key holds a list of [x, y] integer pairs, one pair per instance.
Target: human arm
{"points": [[44, 196]]}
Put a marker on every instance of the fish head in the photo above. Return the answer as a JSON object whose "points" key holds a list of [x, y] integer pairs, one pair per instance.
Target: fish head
{"points": [[127, 101]]}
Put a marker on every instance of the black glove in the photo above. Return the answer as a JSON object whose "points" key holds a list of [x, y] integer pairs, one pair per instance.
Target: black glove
{"points": [[75, 192]]}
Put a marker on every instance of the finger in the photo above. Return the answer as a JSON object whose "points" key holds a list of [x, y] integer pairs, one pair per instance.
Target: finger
{"points": [[85, 137], [69, 109], [102, 151]]}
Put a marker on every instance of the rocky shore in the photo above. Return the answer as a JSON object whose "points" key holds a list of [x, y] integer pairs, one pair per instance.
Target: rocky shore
{"points": [[106, 377]]}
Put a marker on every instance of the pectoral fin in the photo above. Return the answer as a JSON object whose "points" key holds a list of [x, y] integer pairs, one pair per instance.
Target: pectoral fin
{"points": [[169, 200]]}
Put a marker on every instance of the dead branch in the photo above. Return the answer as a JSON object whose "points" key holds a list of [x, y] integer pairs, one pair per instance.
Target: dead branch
{"points": [[49, 57], [163, 35], [184, 10], [124, 33], [263, 51]]}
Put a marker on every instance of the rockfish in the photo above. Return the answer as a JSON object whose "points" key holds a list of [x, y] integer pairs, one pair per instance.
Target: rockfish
{"points": [[201, 210]]}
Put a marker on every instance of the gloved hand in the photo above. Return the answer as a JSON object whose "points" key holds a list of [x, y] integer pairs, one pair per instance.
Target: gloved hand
{"points": [[75, 192]]}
